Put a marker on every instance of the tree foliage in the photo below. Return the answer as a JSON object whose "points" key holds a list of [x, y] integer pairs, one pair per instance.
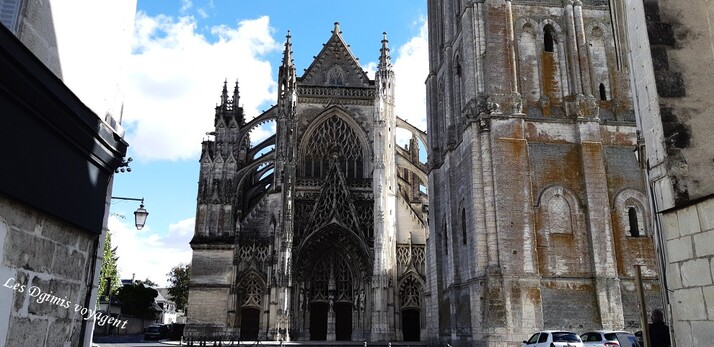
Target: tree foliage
{"points": [[147, 282], [178, 285], [137, 300], [108, 275]]}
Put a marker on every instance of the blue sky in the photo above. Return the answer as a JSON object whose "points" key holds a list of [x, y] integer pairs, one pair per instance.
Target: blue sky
{"points": [[182, 51]]}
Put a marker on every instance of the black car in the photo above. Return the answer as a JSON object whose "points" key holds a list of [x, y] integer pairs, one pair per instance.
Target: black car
{"points": [[156, 332]]}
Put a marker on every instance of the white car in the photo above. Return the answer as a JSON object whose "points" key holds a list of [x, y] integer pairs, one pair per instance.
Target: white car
{"points": [[554, 338], [607, 338]]}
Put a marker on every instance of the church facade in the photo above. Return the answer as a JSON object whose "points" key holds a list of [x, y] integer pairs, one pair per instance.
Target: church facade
{"points": [[538, 211], [319, 231]]}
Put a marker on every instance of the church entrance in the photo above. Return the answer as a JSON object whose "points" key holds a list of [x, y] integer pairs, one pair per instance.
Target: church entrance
{"points": [[249, 323], [343, 321], [318, 321], [411, 328]]}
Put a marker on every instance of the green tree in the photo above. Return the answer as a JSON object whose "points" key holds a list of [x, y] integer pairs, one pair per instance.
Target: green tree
{"points": [[137, 300], [108, 275], [178, 285], [147, 282]]}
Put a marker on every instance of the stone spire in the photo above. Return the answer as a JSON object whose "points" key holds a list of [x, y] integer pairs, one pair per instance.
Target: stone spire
{"points": [[224, 94], [287, 69], [385, 61], [236, 96]]}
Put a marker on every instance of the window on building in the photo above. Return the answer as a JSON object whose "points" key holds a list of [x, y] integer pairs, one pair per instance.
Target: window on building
{"points": [[463, 225], [634, 227], [548, 39], [446, 239], [603, 92], [334, 139], [559, 215]]}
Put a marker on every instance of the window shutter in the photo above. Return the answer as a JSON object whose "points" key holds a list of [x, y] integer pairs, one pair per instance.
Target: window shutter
{"points": [[10, 13]]}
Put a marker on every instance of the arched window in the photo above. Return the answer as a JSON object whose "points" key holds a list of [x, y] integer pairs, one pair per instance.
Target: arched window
{"points": [[631, 212], [559, 215], [634, 226], [603, 92], [333, 139], [463, 225], [251, 291], [335, 77], [410, 292], [548, 39]]}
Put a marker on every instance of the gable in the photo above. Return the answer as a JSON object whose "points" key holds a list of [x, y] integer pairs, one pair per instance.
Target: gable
{"points": [[335, 65]]}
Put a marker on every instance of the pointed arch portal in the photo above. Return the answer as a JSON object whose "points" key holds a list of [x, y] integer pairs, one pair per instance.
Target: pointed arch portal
{"points": [[331, 266]]}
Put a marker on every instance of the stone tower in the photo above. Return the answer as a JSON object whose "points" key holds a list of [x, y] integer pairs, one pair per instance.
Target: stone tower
{"points": [[317, 232], [538, 212]]}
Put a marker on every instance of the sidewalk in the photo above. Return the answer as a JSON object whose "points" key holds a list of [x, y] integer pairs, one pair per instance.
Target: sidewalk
{"points": [[311, 343]]}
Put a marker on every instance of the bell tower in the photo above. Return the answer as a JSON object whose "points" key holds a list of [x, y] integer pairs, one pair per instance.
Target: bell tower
{"points": [[531, 130]]}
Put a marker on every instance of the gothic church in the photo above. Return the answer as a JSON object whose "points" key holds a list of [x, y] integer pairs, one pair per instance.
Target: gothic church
{"points": [[319, 231], [537, 208]]}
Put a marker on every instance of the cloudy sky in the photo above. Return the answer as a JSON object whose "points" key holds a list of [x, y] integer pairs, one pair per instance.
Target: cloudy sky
{"points": [[170, 68]]}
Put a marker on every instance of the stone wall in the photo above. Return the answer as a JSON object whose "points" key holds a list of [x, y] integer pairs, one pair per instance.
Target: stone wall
{"points": [[689, 246], [670, 45], [41, 254]]}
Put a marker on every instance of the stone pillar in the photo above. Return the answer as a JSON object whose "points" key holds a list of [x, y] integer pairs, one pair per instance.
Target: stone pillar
{"points": [[598, 221], [572, 49], [582, 48], [331, 322]]}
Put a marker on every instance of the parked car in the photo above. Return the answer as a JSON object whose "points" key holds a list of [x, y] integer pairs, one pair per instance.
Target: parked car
{"points": [[629, 340], [156, 332], [554, 338], [606, 338]]}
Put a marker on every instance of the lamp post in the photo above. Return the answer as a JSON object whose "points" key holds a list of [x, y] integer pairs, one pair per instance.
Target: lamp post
{"points": [[140, 214]]}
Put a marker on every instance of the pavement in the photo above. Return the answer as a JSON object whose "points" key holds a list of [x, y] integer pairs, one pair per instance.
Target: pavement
{"points": [[139, 340]]}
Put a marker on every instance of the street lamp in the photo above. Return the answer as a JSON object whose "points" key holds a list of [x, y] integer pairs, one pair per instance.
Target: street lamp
{"points": [[140, 214]]}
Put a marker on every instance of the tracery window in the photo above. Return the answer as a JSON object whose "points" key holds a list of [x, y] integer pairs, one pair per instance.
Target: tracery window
{"points": [[344, 282], [252, 291], [409, 292], [334, 139], [320, 283], [335, 76]]}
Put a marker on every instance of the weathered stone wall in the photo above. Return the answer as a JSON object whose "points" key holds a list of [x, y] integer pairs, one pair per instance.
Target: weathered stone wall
{"points": [[39, 251], [530, 124], [689, 247], [670, 43], [211, 276]]}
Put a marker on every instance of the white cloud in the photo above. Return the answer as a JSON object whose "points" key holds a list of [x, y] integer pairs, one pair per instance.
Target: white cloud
{"points": [[174, 80], [185, 5], [371, 69], [183, 228], [145, 254], [411, 67]]}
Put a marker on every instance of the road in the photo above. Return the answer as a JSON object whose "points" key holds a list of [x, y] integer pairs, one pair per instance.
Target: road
{"points": [[125, 341]]}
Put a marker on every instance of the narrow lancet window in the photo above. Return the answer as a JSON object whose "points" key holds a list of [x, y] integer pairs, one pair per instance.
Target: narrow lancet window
{"points": [[463, 225], [634, 227], [548, 40], [603, 92]]}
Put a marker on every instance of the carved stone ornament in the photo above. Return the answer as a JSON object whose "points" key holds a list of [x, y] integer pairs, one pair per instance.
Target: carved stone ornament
{"points": [[516, 103]]}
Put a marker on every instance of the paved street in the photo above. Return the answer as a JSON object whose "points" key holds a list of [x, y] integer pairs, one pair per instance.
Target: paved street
{"points": [[127, 341], [138, 340]]}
